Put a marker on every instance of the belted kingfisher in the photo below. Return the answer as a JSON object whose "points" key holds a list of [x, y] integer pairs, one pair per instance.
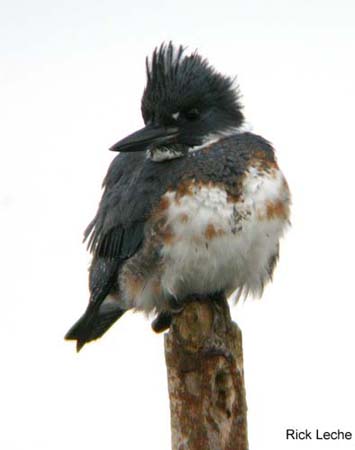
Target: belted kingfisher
{"points": [[192, 204]]}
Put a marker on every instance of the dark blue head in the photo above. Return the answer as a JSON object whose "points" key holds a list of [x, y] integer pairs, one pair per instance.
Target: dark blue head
{"points": [[185, 102]]}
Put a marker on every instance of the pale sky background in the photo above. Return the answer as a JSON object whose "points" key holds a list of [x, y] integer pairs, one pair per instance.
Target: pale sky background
{"points": [[72, 74]]}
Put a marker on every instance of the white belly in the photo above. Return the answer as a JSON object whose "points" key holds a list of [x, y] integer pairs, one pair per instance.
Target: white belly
{"points": [[209, 243], [221, 245]]}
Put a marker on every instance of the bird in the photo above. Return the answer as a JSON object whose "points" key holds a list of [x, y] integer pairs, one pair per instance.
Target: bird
{"points": [[193, 204]]}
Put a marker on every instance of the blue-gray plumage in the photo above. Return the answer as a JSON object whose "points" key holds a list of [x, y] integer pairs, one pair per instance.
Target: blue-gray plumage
{"points": [[191, 205]]}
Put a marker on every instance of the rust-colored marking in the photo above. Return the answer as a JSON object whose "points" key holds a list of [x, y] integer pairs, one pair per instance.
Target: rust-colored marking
{"points": [[211, 232], [278, 209], [184, 188], [260, 162], [259, 154], [168, 236], [183, 218], [235, 197], [164, 203]]}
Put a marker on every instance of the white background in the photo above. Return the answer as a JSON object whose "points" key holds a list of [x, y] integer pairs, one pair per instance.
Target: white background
{"points": [[72, 74]]}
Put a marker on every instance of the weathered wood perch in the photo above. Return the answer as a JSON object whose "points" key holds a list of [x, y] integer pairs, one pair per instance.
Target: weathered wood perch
{"points": [[204, 357]]}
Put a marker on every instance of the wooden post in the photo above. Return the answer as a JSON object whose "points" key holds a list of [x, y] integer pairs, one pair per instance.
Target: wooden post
{"points": [[204, 357]]}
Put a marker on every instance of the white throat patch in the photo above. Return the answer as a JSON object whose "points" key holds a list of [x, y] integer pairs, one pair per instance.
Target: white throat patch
{"points": [[163, 154]]}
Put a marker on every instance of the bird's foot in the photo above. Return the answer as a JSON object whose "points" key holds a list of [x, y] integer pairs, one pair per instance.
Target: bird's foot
{"points": [[162, 322]]}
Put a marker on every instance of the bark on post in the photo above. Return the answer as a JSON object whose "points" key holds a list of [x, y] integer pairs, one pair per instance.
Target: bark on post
{"points": [[204, 357]]}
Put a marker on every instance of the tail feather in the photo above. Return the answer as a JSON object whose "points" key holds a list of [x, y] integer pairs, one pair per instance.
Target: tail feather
{"points": [[93, 323]]}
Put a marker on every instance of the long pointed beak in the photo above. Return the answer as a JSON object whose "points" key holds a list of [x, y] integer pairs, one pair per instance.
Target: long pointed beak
{"points": [[141, 139]]}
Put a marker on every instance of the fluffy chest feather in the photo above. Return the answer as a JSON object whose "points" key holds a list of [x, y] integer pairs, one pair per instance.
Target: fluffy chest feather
{"points": [[202, 240], [217, 243]]}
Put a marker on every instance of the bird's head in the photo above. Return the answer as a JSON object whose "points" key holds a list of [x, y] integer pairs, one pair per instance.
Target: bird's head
{"points": [[185, 103]]}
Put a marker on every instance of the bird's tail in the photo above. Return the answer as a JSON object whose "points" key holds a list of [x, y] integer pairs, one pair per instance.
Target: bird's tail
{"points": [[94, 323]]}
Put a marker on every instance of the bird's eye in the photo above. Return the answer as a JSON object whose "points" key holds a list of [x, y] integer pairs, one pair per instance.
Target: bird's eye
{"points": [[192, 114]]}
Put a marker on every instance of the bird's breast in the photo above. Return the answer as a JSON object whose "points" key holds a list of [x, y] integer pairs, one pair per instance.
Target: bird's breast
{"points": [[206, 240]]}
